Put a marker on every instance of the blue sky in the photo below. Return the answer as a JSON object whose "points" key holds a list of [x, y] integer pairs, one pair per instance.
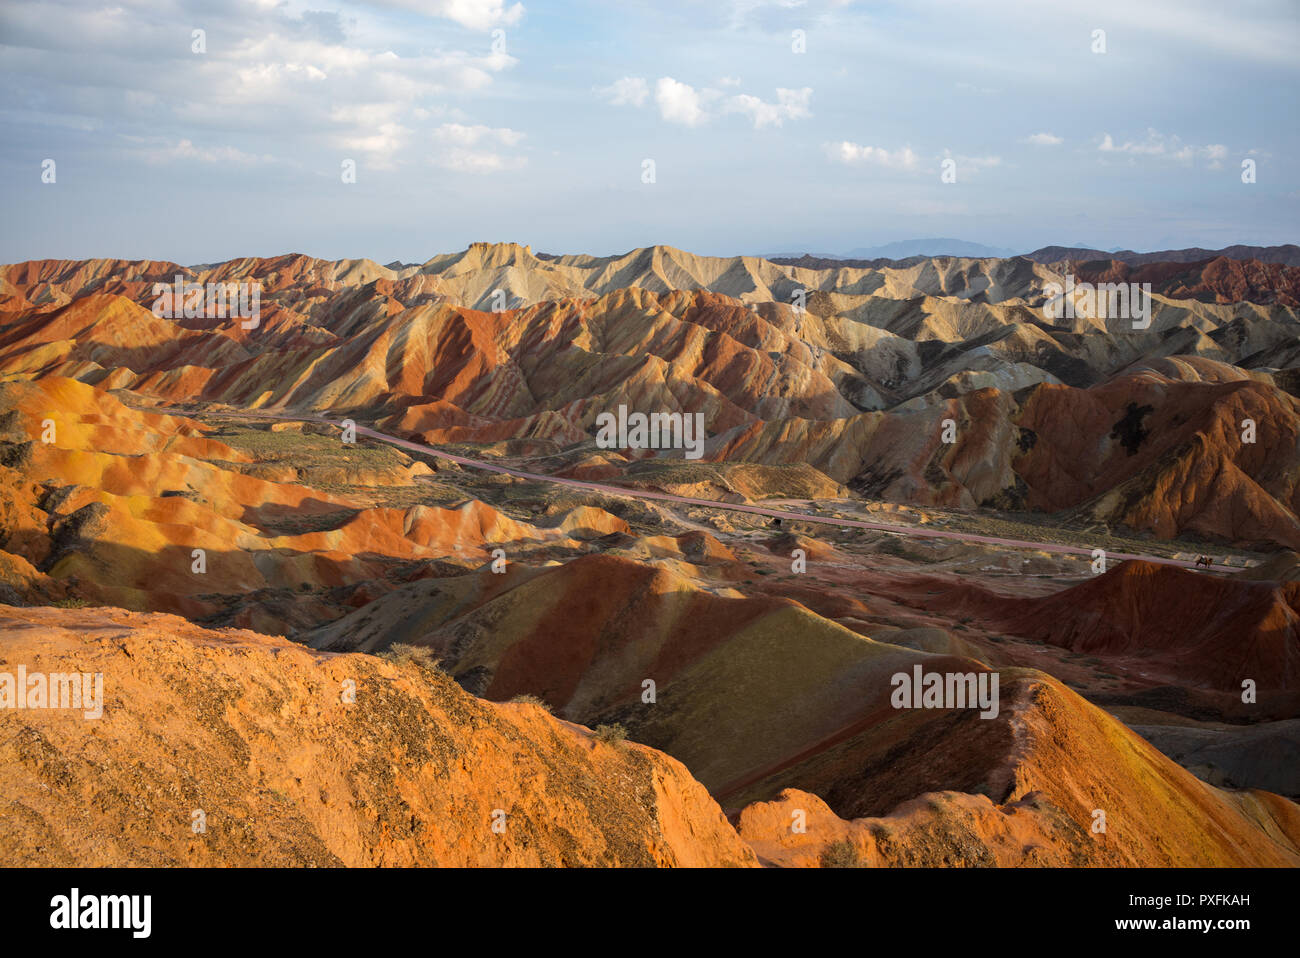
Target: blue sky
{"points": [[538, 133]]}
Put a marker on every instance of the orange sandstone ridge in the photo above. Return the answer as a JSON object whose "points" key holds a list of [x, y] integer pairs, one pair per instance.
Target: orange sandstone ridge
{"points": [[255, 733], [262, 737]]}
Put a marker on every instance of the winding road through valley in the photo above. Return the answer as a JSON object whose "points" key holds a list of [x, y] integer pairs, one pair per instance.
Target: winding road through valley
{"points": [[613, 490]]}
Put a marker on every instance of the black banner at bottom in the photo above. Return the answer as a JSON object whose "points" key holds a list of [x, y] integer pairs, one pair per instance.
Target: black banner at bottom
{"points": [[959, 908]]}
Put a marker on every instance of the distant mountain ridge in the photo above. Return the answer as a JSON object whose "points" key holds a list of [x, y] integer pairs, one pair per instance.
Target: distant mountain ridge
{"points": [[880, 258], [1288, 255], [901, 251]]}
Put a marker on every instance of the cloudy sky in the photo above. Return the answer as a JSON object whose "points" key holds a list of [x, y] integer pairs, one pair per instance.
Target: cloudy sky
{"points": [[771, 125]]}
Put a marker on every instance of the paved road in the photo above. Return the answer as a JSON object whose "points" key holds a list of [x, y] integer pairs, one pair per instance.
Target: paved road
{"points": [[784, 515]]}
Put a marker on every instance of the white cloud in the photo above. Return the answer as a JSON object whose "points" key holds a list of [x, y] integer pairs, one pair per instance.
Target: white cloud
{"points": [[631, 91], [972, 164], [478, 161], [854, 154], [186, 150], [682, 103], [789, 105], [1155, 144], [476, 149], [679, 102], [1215, 154], [474, 14], [323, 82], [480, 14], [461, 135], [1044, 139], [382, 145], [1168, 146]]}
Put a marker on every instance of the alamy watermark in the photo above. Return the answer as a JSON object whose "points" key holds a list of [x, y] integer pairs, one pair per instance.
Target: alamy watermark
{"points": [[658, 430], [242, 300], [53, 690], [75, 910], [1102, 301], [946, 690]]}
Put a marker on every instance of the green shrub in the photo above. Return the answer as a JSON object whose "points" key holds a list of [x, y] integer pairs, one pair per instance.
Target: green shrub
{"points": [[841, 854], [527, 699], [611, 734], [400, 654]]}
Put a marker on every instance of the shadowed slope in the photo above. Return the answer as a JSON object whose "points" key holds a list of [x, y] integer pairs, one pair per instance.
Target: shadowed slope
{"points": [[1187, 627]]}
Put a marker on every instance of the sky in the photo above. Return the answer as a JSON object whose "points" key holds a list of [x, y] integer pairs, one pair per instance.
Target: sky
{"points": [[723, 128]]}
